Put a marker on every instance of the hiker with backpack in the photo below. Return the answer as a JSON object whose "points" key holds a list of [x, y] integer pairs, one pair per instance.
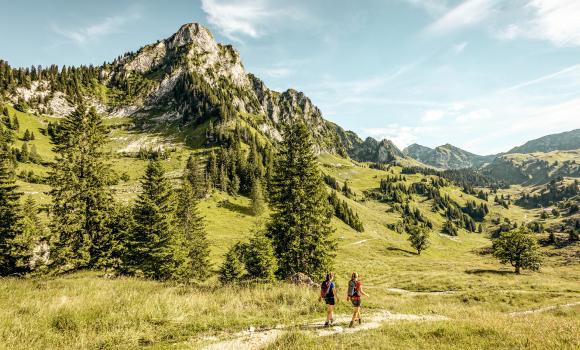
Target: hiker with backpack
{"points": [[354, 294], [328, 293]]}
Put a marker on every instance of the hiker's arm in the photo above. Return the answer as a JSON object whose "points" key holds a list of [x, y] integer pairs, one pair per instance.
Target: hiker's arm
{"points": [[362, 291], [334, 292]]}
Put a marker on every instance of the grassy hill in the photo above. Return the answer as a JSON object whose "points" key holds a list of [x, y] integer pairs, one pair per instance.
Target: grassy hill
{"points": [[456, 277]]}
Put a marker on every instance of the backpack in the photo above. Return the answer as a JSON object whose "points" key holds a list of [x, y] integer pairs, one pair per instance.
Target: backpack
{"points": [[352, 292], [324, 289]]}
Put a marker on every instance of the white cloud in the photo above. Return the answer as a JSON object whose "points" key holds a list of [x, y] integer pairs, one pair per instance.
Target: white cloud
{"points": [[432, 115], [402, 136], [557, 21], [474, 116], [244, 17], [459, 48], [93, 32], [466, 14]]}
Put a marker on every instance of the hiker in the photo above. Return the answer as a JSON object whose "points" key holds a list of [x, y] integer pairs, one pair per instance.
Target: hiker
{"points": [[354, 293], [328, 293]]}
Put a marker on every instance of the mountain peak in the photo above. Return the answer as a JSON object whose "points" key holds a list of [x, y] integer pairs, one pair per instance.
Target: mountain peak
{"points": [[191, 33]]}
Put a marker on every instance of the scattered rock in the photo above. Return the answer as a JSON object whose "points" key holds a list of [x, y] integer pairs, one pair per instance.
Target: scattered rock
{"points": [[301, 279]]}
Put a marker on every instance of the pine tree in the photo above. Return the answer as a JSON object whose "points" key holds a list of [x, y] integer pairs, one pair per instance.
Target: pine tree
{"points": [[15, 123], [300, 223], [155, 248], [34, 156], [257, 195], [81, 197], [212, 170], [258, 257], [231, 270], [26, 135], [194, 176], [223, 179], [194, 235], [13, 255], [33, 232]]}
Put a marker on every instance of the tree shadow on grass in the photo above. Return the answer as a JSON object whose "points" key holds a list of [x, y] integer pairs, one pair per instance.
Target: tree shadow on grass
{"points": [[489, 271], [401, 250], [236, 207]]}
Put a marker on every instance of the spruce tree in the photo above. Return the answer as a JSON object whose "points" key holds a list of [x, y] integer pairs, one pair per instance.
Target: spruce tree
{"points": [[259, 259], [81, 197], [300, 223], [231, 270], [33, 232], [257, 195], [13, 254], [24, 154], [155, 248], [194, 176], [194, 235]]}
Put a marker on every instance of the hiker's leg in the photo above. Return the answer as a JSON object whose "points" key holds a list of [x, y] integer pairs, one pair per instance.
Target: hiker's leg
{"points": [[329, 312], [354, 313], [357, 313]]}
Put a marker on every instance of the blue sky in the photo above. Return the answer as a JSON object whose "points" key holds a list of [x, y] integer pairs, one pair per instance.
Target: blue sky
{"points": [[484, 75]]}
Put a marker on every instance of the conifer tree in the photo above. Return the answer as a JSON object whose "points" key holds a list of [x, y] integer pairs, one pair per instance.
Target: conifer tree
{"points": [[15, 123], [155, 248], [300, 223], [34, 156], [194, 235], [81, 198], [258, 257], [13, 254], [194, 176], [231, 270], [33, 231], [212, 172], [257, 195]]}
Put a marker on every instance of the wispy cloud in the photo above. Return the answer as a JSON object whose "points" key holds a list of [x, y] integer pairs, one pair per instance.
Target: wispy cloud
{"points": [[245, 18], [98, 30], [571, 69], [459, 48], [432, 115], [466, 14], [557, 21], [474, 116]]}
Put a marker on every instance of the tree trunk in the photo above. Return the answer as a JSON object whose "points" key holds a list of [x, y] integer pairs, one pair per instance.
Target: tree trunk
{"points": [[517, 270]]}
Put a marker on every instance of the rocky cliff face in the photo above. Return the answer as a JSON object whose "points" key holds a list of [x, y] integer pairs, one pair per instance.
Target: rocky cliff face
{"points": [[371, 150]]}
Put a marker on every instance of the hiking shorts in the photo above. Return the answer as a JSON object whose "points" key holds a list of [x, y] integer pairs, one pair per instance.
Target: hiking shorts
{"points": [[329, 301], [355, 302]]}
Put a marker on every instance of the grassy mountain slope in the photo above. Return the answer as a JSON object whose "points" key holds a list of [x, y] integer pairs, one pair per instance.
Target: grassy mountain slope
{"points": [[569, 140], [445, 156], [454, 278]]}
